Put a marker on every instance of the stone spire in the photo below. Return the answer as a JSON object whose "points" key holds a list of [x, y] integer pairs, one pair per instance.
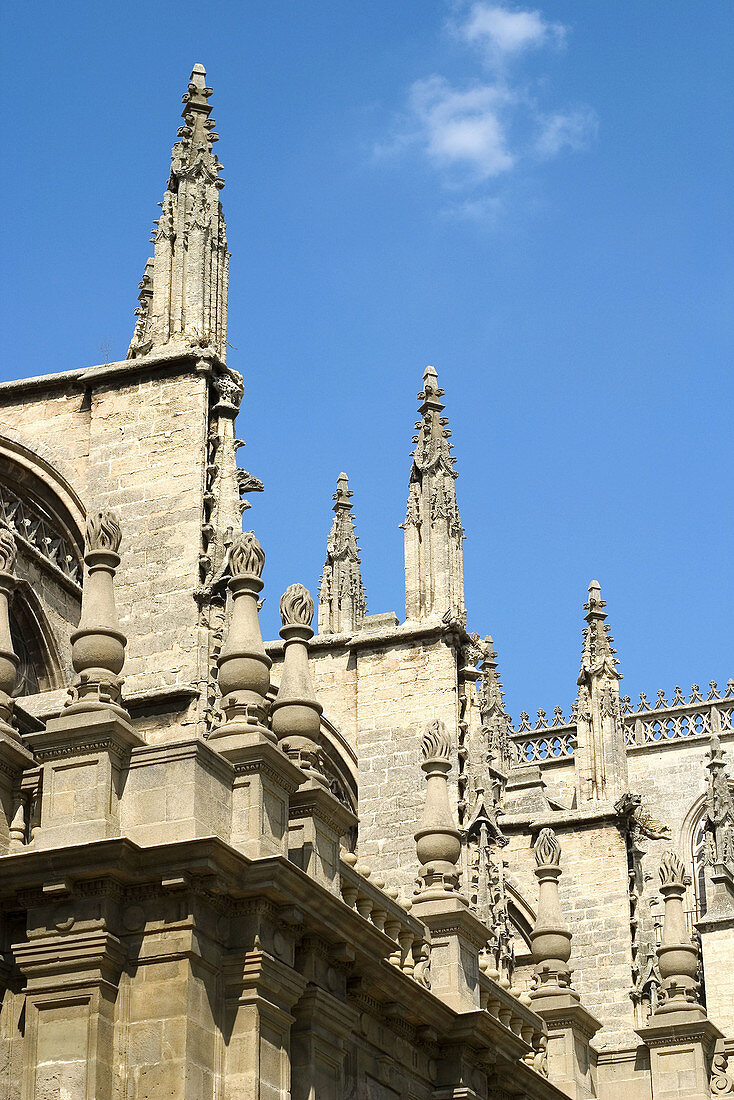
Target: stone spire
{"points": [[183, 292], [434, 558], [341, 593], [600, 758]]}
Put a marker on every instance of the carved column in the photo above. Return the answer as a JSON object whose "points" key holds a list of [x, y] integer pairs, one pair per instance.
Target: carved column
{"points": [[570, 1026], [679, 1034], [317, 819], [85, 751], [265, 778]]}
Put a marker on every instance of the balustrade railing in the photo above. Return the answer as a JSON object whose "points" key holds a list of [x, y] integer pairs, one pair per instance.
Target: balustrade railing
{"points": [[382, 909], [646, 723]]}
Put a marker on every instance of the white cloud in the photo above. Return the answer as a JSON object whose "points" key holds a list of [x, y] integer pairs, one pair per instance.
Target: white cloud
{"points": [[506, 31], [463, 127], [488, 125], [560, 131]]}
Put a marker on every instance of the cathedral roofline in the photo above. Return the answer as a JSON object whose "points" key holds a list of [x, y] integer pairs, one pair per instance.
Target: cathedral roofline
{"points": [[85, 376]]}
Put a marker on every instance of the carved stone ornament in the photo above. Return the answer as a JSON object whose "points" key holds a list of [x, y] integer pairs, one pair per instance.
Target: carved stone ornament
{"points": [[436, 744], [547, 849], [246, 555], [103, 531], [672, 871], [296, 606], [8, 549]]}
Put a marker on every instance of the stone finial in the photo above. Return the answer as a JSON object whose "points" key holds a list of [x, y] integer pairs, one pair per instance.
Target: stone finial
{"points": [[550, 938], [296, 606], [98, 645], [244, 666], [600, 759], [246, 556], [103, 531], [8, 658], [296, 712], [183, 292], [342, 605], [547, 849], [677, 954], [434, 556], [438, 842]]}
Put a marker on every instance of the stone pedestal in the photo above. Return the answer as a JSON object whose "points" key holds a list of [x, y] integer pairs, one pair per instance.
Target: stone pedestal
{"points": [[319, 1037], [681, 1048], [71, 988], [317, 822], [265, 779], [260, 992], [571, 1060], [456, 939], [84, 758]]}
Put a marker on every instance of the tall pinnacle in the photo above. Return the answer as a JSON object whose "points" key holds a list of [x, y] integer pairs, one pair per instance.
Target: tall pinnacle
{"points": [[183, 292], [434, 558], [341, 592], [601, 755]]}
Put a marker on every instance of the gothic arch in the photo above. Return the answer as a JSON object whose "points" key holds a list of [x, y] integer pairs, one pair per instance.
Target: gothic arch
{"points": [[44, 509], [520, 913], [40, 663], [340, 763]]}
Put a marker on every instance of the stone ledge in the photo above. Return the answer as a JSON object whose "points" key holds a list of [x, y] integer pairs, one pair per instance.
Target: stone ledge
{"points": [[82, 377]]}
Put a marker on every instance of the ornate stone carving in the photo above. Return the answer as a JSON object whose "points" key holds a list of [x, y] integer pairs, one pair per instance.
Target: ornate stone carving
{"points": [[550, 939], [8, 549], [296, 712], [434, 562], [244, 667], [246, 555], [547, 849], [438, 842], [342, 605], [98, 645], [183, 292], [296, 606], [600, 757], [103, 531], [436, 743], [677, 954]]}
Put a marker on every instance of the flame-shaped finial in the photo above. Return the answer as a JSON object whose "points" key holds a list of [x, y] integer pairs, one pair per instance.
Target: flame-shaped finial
{"points": [[436, 744], [547, 849], [672, 871], [103, 531], [296, 606], [246, 555]]}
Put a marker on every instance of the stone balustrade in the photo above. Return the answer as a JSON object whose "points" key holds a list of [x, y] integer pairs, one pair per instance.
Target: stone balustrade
{"points": [[655, 723], [510, 1011], [388, 915]]}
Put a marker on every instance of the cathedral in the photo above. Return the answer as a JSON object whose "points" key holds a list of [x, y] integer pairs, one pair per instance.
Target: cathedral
{"points": [[327, 866]]}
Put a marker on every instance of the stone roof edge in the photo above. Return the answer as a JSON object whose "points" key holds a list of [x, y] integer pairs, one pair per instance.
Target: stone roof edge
{"points": [[81, 377], [365, 639]]}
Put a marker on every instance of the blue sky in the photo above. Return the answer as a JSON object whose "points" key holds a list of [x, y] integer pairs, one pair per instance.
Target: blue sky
{"points": [[537, 201]]}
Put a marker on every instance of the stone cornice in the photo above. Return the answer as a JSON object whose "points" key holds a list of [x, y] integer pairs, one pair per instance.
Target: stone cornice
{"points": [[82, 378]]}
